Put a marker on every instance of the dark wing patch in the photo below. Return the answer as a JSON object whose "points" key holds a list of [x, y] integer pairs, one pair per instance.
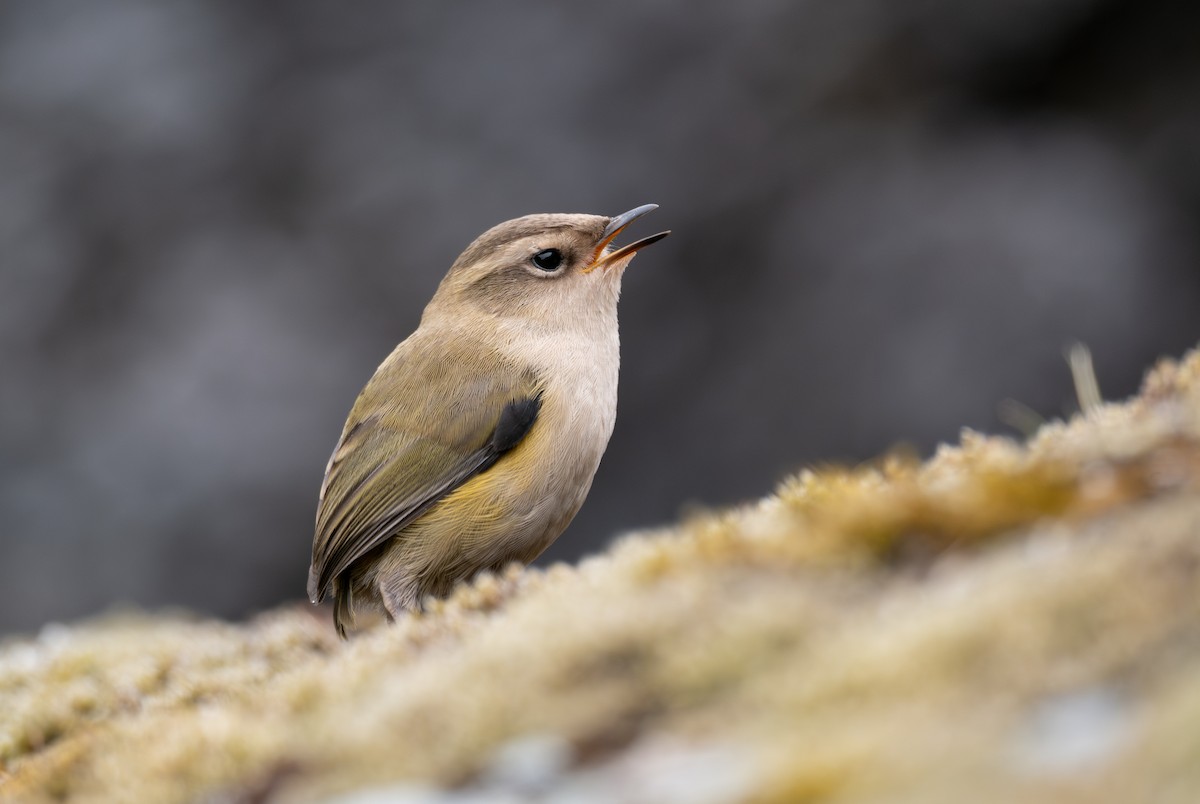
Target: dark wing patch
{"points": [[514, 423]]}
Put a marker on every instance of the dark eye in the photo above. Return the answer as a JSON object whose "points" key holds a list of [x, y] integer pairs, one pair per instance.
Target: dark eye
{"points": [[548, 260]]}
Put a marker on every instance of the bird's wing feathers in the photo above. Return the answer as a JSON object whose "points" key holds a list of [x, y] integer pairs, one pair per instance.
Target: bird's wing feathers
{"points": [[428, 421]]}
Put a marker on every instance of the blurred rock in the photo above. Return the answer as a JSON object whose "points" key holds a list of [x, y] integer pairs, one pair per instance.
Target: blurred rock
{"points": [[217, 218]]}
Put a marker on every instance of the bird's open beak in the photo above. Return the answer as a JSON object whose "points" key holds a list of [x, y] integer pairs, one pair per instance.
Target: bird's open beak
{"points": [[615, 225]]}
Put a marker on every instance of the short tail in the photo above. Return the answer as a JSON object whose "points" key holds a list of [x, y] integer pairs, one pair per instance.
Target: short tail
{"points": [[343, 607]]}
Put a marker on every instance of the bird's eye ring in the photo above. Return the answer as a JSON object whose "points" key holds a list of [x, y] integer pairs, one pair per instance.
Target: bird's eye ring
{"points": [[547, 260]]}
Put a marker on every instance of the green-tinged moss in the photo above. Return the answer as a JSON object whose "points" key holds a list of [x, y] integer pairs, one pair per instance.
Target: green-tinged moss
{"points": [[1006, 621]]}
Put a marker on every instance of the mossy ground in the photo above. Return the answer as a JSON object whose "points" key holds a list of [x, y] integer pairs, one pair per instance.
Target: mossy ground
{"points": [[1005, 622]]}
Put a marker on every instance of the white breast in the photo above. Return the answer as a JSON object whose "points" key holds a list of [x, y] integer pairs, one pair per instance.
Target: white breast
{"points": [[579, 367]]}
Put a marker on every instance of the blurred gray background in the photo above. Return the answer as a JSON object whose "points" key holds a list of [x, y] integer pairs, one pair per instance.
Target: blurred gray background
{"points": [[216, 218]]}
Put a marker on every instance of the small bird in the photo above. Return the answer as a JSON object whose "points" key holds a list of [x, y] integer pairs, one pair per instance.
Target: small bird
{"points": [[475, 442]]}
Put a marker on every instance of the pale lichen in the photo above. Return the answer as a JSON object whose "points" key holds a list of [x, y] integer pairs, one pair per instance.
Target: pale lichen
{"points": [[1006, 621]]}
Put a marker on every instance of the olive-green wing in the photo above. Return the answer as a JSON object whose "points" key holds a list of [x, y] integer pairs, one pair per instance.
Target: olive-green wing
{"points": [[429, 420]]}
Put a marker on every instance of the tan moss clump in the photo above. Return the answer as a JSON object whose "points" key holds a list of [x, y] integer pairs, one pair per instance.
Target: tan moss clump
{"points": [[1005, 622]]}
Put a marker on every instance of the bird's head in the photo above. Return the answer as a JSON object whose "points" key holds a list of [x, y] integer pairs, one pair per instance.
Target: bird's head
{"points": [[547, 268]]}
